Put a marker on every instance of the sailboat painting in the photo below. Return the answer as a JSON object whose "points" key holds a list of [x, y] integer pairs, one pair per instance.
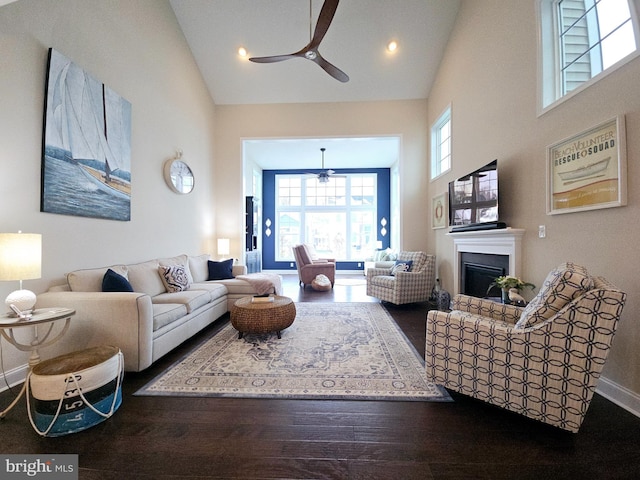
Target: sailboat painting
{"points": [[86, 160]]}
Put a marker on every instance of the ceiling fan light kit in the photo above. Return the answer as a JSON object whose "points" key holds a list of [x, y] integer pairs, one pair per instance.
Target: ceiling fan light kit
{"points": [[325, 175], [310, 51]]}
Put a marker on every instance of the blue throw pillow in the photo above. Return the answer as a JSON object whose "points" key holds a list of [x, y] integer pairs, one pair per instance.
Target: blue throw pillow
{"points": [[114, 282], [220, 270], [401, 266]]}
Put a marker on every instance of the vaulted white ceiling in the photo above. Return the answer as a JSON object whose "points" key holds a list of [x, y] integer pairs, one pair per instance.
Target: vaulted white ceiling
{"points": [[355, 42]]}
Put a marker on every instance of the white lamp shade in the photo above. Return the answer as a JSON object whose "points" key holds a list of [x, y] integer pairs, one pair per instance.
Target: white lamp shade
{"points": [[223, 246], [20, 256]]}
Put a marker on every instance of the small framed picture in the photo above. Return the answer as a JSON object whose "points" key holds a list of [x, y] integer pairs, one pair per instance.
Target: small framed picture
{"points": [[439, 211], [588, 171]]}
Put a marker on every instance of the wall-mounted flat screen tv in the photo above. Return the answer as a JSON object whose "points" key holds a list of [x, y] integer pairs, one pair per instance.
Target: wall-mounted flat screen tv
{"points": [[473, 200]]}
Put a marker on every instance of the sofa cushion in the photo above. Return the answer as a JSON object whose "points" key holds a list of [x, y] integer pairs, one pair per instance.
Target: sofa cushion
{"points": [[174, 277], [234, 286], [90, 280], [379, 255], [199, 267], [114, 282], [563, 284], [192, 299], [182, 260], [216, 290], [144, 278], [387, 255], [166, 313], [385, 281], [220, 270]]}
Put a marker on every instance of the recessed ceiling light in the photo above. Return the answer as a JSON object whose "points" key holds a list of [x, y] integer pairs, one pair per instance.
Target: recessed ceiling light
{"points": [[242, 52], [392, 46]]}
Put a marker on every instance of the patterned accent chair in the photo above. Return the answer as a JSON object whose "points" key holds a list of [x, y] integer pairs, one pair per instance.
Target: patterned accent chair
{"points": [[542, 361], [308, 268], [404, 287]]}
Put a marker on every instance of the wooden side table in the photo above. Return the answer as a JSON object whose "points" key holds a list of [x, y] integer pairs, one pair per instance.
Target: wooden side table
{"points": [[39, 317]]}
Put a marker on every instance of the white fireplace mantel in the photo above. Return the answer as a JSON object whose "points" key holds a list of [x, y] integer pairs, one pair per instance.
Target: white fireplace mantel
{"points": [[504, 241]]}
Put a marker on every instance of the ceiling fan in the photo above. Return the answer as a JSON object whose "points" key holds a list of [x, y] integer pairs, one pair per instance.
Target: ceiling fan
{"points": [[310, 51], [325, 175]]}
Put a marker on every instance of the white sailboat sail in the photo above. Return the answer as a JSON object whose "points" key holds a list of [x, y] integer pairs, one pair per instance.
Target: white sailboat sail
{"points": [[91, 123]]}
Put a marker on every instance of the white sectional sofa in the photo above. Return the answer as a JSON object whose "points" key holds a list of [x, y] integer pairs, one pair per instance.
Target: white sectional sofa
{"points": [[148, 322]]}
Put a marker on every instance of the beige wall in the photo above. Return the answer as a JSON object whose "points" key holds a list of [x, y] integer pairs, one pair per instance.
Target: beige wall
{"points": [[138, 49], [404, 118], [489, 76]]}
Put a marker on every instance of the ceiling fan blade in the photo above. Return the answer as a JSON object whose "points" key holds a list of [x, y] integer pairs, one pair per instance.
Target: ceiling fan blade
{"points": [[331, 69], [310, 51], [324, 21], [273, 58]]}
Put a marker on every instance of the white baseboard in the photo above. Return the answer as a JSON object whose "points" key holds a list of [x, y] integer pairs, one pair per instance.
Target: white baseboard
{"points": [[13, 377], [621, 396]]}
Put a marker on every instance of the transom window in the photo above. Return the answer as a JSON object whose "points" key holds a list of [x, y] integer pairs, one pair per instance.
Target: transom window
{"points": [[337, 217], [441, 145], [580, 40]]}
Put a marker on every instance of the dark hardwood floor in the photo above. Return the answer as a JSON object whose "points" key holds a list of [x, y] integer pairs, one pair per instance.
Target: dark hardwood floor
{"points": [[195, 438]]}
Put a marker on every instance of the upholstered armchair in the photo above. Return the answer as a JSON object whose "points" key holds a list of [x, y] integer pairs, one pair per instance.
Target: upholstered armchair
{"points": [[308, 268], [542, 361], [397, 286]]}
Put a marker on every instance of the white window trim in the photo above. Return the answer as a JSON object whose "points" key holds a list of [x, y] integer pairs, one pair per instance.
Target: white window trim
{"points": [[446, 114], [546, 66], [348, 209]]}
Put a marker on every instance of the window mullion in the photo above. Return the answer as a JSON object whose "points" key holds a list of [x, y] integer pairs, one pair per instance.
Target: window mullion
{"points": [[581, 39], [309, 207]]}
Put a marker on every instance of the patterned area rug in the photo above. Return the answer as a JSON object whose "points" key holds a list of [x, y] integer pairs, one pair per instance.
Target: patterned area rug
{"points": [[332, 351]]}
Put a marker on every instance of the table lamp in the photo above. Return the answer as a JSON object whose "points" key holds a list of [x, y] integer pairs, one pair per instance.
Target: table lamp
{"points": [[223, 247], [20, 259]]}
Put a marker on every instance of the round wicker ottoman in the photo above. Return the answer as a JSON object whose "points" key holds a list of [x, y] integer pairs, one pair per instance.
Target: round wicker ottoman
{"points": [[262, 317]]}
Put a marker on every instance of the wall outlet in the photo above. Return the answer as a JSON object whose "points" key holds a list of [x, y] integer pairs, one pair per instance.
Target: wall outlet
{"points": [[359, 264], [542, 231], [291, 264]]}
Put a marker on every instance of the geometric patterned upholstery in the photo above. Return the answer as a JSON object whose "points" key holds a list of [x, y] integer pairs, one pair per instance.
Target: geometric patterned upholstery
{"points": [[561, 286], [404, 287], [548, 371]]}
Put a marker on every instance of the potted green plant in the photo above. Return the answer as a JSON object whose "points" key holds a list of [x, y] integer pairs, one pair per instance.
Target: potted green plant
{"points": [[507, 282]]}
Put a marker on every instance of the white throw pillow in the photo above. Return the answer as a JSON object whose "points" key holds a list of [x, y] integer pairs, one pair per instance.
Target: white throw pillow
{"points": [[174, 277]]}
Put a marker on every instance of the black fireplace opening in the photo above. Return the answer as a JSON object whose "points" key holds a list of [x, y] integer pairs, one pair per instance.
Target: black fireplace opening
{"points": [[479, 270]]}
